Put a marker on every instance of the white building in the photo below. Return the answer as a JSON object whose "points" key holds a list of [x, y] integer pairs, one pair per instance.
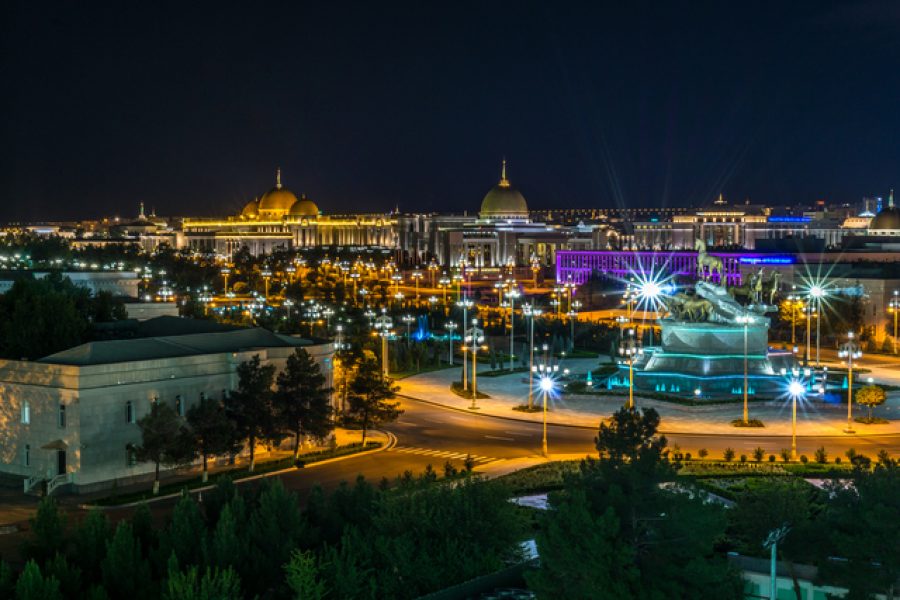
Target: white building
{"points": [[72, 416]]}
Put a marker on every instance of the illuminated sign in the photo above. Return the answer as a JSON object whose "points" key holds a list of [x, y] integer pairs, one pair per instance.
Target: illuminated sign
{"points": [[766, 260], [789, 219]]}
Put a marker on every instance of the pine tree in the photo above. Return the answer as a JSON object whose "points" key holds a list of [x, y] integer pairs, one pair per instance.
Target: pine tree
{"points": [[302, 402], [31, 585], [214, 585], [303, 577], [226, 547], [367, 399], [89, 544], [272, 534], [125, 572], [49, 532], [186, 534], [250, 405], [161, 440], [209, 431]]}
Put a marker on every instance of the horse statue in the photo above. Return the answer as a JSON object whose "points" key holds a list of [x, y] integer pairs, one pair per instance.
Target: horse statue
{"points": [[756, 286], [774, 287], [704, 260], [689, 308]]}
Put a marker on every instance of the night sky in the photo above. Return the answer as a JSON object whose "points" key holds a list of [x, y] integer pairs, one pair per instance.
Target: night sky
{"points": [[366, 106]]}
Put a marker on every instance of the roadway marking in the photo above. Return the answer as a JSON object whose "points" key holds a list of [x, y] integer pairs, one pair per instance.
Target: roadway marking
{"points": [[442, 454], [497, 437]]}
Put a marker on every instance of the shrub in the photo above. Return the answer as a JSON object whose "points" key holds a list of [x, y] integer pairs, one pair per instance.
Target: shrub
{"points": [[771, 458], [469, 463], [785, 455], [449, 469], [803, 459], [837, 460], [703, 453], [759, 454], [687, 456], [821, 455], [728, 454], [743, 458]]}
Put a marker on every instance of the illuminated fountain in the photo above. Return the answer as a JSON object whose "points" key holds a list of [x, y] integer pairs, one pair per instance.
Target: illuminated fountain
{"points": [[712, 345]]}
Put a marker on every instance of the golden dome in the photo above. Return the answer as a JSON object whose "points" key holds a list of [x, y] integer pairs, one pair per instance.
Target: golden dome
{"points": [[251, 210], [277, 201], [888, 218], [504, 201], [304, 207]]}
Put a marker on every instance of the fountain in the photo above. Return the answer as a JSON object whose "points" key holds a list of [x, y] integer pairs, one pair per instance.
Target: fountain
{"points": [[706, 338]]}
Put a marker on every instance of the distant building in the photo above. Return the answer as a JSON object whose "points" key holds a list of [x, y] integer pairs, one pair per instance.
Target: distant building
{"points": [[72, 417]]}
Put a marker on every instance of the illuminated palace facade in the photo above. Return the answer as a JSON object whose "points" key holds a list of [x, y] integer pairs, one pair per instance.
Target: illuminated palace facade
{"points": [[501, 235]]}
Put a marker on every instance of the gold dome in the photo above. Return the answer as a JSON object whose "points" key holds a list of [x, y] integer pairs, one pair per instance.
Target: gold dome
{"points": [[304, 207], [888, 218], [278, 201], [504, 201], [251, 210]]}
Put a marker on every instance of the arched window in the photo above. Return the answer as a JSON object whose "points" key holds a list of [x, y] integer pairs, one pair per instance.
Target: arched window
{"points": [[129, 412], [26, 412], [62, 416], [27, 455], [179, 406]]}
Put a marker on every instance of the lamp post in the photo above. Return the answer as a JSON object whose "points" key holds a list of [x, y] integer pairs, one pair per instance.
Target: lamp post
{"points": [[288, 303], [797, 391], [408, 319], [894, 308], [818, 292], [850, 350], [383, 324], [225, 273], [266, 275], [745, 320], [573, 316], [771, 543], [451, 326], [417, 275], [476, 336], [433, 268], [531, 312], [546, 387], [444, 283], [629, 349], [810, 313], [466, 304], [512, 295]]}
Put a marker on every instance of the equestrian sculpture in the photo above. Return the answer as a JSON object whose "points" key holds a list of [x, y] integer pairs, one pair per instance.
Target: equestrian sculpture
{"points": [[704, 260]]}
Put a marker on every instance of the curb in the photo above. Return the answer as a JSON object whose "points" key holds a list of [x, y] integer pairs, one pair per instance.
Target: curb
{"points": [[661, 431], [391, 442]]}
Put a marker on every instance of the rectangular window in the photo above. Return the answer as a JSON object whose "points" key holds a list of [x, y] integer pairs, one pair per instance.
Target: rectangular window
{"points": [[26, 412], [179, 406], [62, 416], [27, 455], [129, 412]]}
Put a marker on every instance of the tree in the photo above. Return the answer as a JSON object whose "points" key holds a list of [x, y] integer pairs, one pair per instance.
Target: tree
{"points": [[214, 585], [250, 405], [871, 396], [162, 441], [49, 529], [367, 398], [89, 544], [209, 431], [39, 318], [302, 402], [126, 573], [34, 586], [272, 533], [303, 576]]}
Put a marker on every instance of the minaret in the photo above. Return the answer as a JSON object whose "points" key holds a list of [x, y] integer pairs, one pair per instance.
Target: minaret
{"points": [[504, 182], [278, 178], [141, 213], [891, 199]]}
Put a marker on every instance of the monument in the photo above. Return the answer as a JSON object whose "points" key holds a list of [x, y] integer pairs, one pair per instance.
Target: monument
{"points": [[708, 337]]}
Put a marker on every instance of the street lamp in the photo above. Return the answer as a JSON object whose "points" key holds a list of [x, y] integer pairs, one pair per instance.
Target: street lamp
{"points": [[546, 387], [573, 316], [745, 320], [225, 273], [512, 295], [288, 303], [531, 312], [850, 350], [451, 326], [266, 275], [408, 319], [818, 292], [466, 304], [797, 391], [629, 349], [383, 324], [417, 275], [894, 308], [476, 336]]}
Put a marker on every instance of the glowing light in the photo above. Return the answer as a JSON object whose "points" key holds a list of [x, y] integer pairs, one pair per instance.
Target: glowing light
{"points": [[796, 389], [546, 384]]}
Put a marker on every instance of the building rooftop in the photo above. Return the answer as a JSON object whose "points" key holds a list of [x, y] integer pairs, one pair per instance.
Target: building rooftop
{"points": [[172, 346]]}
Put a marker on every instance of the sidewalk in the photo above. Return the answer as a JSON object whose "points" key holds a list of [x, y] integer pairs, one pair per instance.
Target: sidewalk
{"points": [[508, 391]]}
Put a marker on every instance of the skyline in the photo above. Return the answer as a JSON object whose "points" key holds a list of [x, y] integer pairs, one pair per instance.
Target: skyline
{"points": [[365, 108]]}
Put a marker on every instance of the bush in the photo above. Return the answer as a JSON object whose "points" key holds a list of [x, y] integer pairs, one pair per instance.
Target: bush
{"points": [[687, 456], [703, 453], [785, 455], [771, 458], [821, 455], [759, 454], [837, 460], [449, 469], [804, 459], [728, 454], [743, 458]]}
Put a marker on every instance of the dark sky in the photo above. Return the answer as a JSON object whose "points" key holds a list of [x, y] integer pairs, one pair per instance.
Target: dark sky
{"points": [[190, 107]]}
